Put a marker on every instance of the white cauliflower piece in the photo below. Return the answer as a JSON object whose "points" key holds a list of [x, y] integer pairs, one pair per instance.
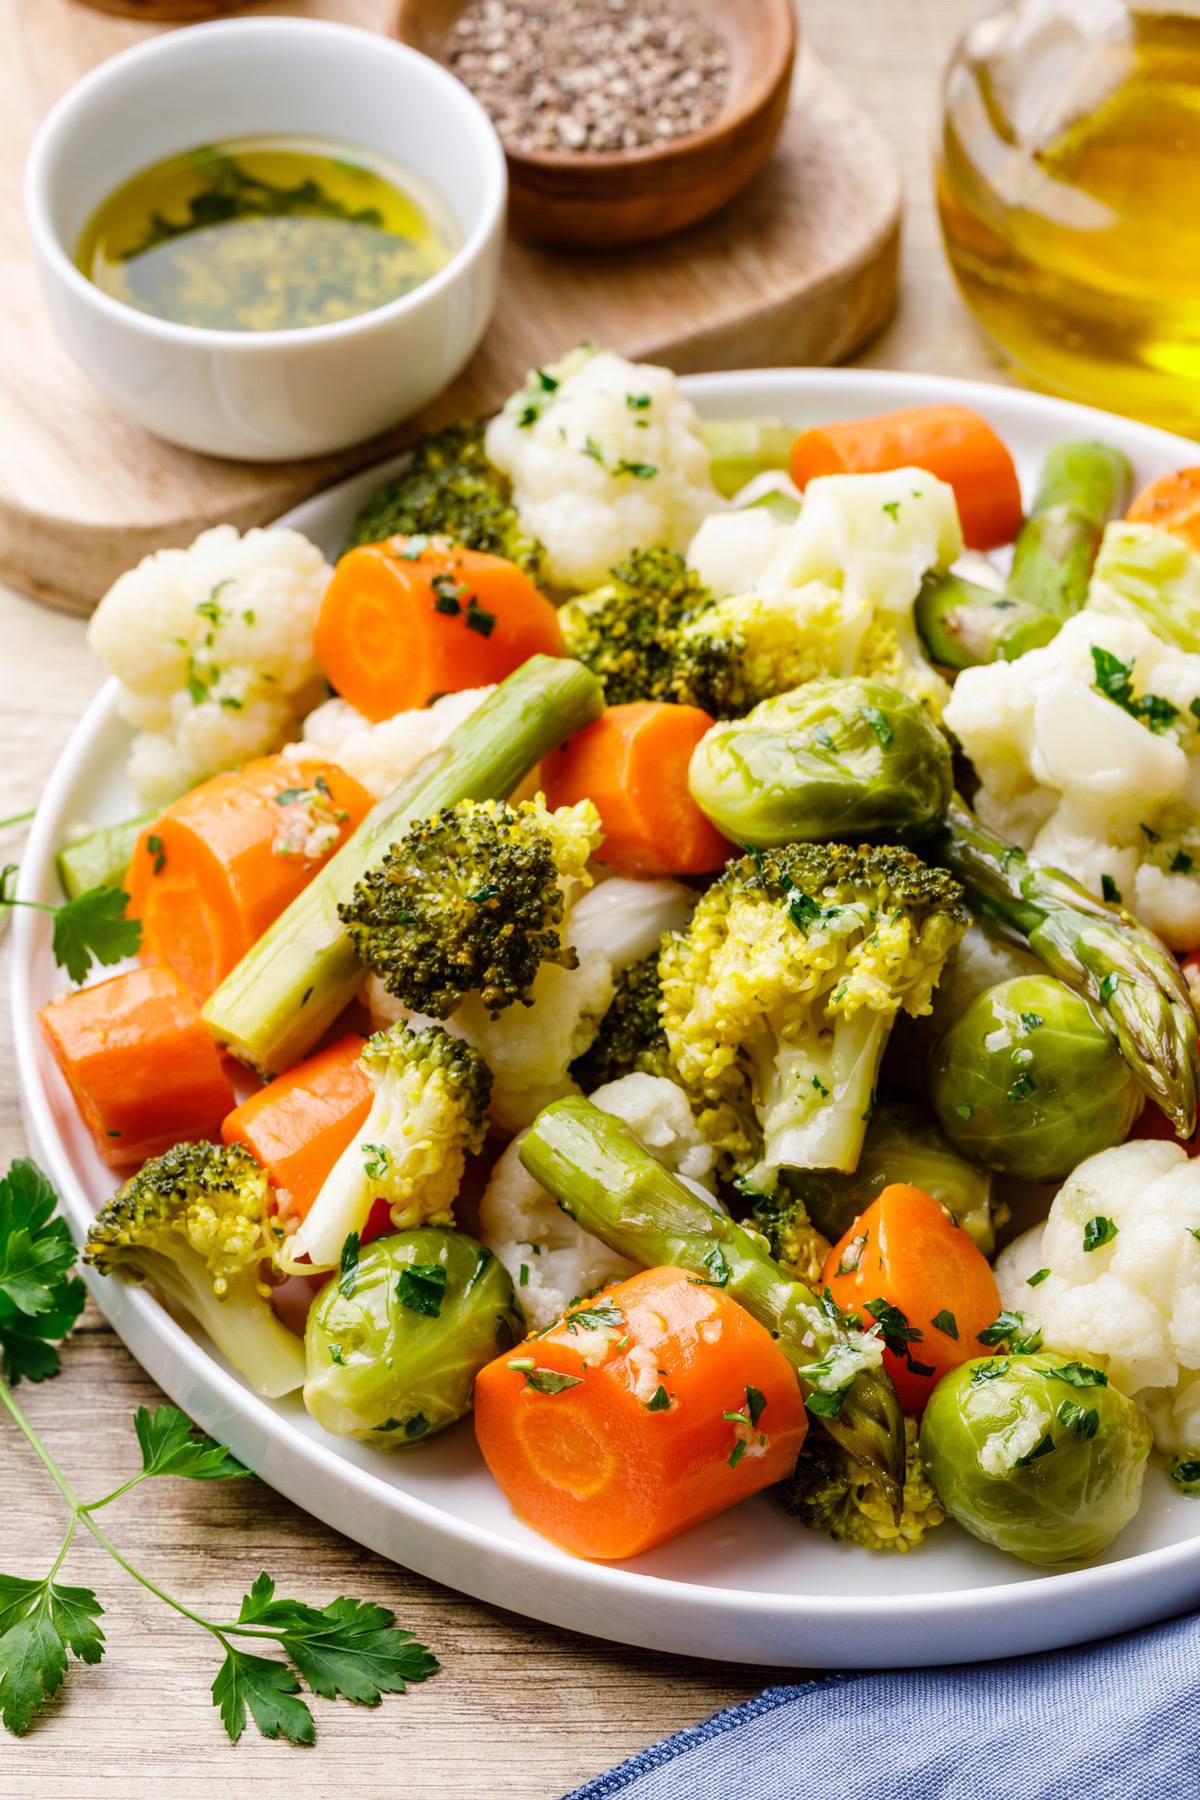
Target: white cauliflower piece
{"points": [[212, 648], [605, 456], [553, 1261], [1078, 780], [1132, 1305], [872, 538], [384, 754], [731, 550]]}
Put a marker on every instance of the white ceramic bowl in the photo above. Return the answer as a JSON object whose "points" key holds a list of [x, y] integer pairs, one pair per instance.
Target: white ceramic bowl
{"points": [[265, 396]]}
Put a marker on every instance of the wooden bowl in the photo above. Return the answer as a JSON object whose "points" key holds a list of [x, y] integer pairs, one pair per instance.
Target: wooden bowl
{"points": [[597, 199]]}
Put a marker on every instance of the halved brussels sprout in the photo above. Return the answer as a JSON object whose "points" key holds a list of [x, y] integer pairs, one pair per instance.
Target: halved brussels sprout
{"points": [[394, 1344]]}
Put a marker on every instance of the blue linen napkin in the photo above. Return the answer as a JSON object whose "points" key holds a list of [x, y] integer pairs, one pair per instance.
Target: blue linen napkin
{"points": [[1113, 1721]]}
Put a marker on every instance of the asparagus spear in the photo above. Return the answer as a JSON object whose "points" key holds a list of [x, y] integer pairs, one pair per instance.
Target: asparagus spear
{"points": [[1083, 485], [1099, 950], [740, 449], [603, 1178], [271, 1009], [963, 624]]}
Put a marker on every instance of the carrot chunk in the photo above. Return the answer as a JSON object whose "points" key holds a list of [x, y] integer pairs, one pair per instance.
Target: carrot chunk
{"points": [[299, 1124], [649, 1407], [1173, 504], [140, 1062]]}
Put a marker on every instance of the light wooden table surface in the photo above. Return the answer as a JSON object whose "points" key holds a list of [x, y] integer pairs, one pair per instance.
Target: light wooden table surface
{"points": [[518, 1710]]}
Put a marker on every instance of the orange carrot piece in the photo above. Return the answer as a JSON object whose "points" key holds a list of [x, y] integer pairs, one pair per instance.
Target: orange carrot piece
{"points": [[905, 1252], [633, 763], [638, 1442], [400, 624], [1173, 504], [140, 1062], [952, 442], [299, 1124], [220, 865]]}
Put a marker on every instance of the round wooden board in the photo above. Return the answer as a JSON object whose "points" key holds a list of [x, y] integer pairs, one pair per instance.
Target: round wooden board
{"points": [[801, 269]]}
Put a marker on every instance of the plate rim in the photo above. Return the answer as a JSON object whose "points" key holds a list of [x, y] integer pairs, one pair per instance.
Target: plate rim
{"points": [[134, 1313]]}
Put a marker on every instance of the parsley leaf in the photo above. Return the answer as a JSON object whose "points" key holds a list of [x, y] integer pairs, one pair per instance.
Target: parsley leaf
{"points": [[945, 1322], [269, 1689], [1098, 1232], [91, 928], [1114, 679], [1084, 1421], [659, 1401], [1043, 1449], [593, 1318], [880, 724], [39, 1298], [718, 1269], [1022, 1339], [756, 1402], [1077, 1375], [348, 1270], [422, 1288], [39, 1622], [549, 1381], [171, 1445], [1037, 1278], [1185, 1473]]}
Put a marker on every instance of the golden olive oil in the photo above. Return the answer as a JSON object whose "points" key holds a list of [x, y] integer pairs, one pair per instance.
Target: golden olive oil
{"points": [[266, 234], [1069, 193]]}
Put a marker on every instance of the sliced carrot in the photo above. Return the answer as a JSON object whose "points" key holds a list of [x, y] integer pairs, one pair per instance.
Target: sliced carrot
{"points": [[654, 1404], [140, 1062], [406, 620], [633, 763], [220, 865], [906, 1266], [299, 1124], [1173, 504], [952, 442]]}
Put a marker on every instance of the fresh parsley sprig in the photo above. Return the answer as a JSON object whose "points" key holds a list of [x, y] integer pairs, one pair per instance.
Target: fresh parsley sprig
{"points": [[91, 928], [349, 1648]]}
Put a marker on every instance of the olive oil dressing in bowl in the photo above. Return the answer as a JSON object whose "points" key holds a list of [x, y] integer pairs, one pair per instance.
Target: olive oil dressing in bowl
{"points": [[266, 234]]}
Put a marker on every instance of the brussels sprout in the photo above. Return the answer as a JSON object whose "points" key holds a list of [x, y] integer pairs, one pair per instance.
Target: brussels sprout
{"points": [[394, 1344], [902, 1144], [832, 759], [1036, 1455], [1030, 1081]]}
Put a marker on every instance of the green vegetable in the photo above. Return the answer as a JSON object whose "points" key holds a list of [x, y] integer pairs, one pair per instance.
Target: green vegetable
{"points": [[602, 1178], [779, 996], [347, 1648], [1152, 577], [626, 631], [832, 759], [902, 1144], [90, 928], [1105, 955], [1014, 1470], [429, 1112], [631, 1039], [829, 1493], [100, 857], [198, 1223], [1029, 1080], [288, 989], [429, 1308], [1083, 484], [740, 449], [963, 624], [449, 488], [471, 900]]}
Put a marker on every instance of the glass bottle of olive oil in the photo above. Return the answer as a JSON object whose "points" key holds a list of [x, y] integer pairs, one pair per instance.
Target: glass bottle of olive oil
{"points": [[266, 234], [1068, 183]]}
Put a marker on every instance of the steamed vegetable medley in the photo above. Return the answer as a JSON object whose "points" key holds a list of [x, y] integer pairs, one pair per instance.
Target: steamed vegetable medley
{"points": [[735, 868]]}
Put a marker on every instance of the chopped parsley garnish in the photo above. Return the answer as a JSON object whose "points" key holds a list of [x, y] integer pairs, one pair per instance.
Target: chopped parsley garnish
{"points": [[892, 509], [880, 724], [641, 471], [659, 1401], [1030, 1021], [964, 1110], [987, 1371], [1037, 1278], [1084, 1421], [639, 402], [348, 1265], [335, 1353], [1098, 1232], [852, 1255], [594, 1318], [523, 1275], [154, 848], [737, 1453], [820, 1087], [1043, 1449], [1182, 864], [826, 1406], [549, 1381], [1077, 1375], [591, 448], [756, 1402], [479, 618], [376, 1161], [1010, 1327], [946, 1323], [1110, 891], [1022, 1087], [1185, 1473], [1114, 679], [718, 1269], [422, 1288], [1109, 986]]}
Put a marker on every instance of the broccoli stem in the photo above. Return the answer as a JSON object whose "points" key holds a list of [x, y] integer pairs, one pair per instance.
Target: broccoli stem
{"points": [[248, 1335], [99, 858], [1083, 485], [818, 1096], [740, 449], [279, 1000], [963, 624], [603, 1178], [1099, 950]]}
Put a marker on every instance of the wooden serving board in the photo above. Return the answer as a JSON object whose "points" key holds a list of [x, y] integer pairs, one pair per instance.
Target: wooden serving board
{"points": [[800, 269]]}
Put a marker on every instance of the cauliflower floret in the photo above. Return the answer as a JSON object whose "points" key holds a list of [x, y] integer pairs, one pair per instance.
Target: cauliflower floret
{"points": [[604, 456], [382, 755], [1088, 756], [212, 648], [529, 1049], [553, 1261], [1131, 1305], [732, 549]]}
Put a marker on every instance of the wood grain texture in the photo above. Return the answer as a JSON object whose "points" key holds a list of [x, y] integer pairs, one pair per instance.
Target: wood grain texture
{"points": [[800, 270], [519, 1710]]}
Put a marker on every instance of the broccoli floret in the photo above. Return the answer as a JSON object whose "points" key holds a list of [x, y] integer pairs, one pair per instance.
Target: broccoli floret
{"points": [[450, 488], [473, 901], [780, 994], [792, 1238], [830, 1493], [631, 1039], [627, 631], [197, 1223], [429, 1110]]}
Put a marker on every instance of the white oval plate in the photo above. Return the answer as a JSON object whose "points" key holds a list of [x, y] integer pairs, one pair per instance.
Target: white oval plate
{"points": [[749, 1586]]}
